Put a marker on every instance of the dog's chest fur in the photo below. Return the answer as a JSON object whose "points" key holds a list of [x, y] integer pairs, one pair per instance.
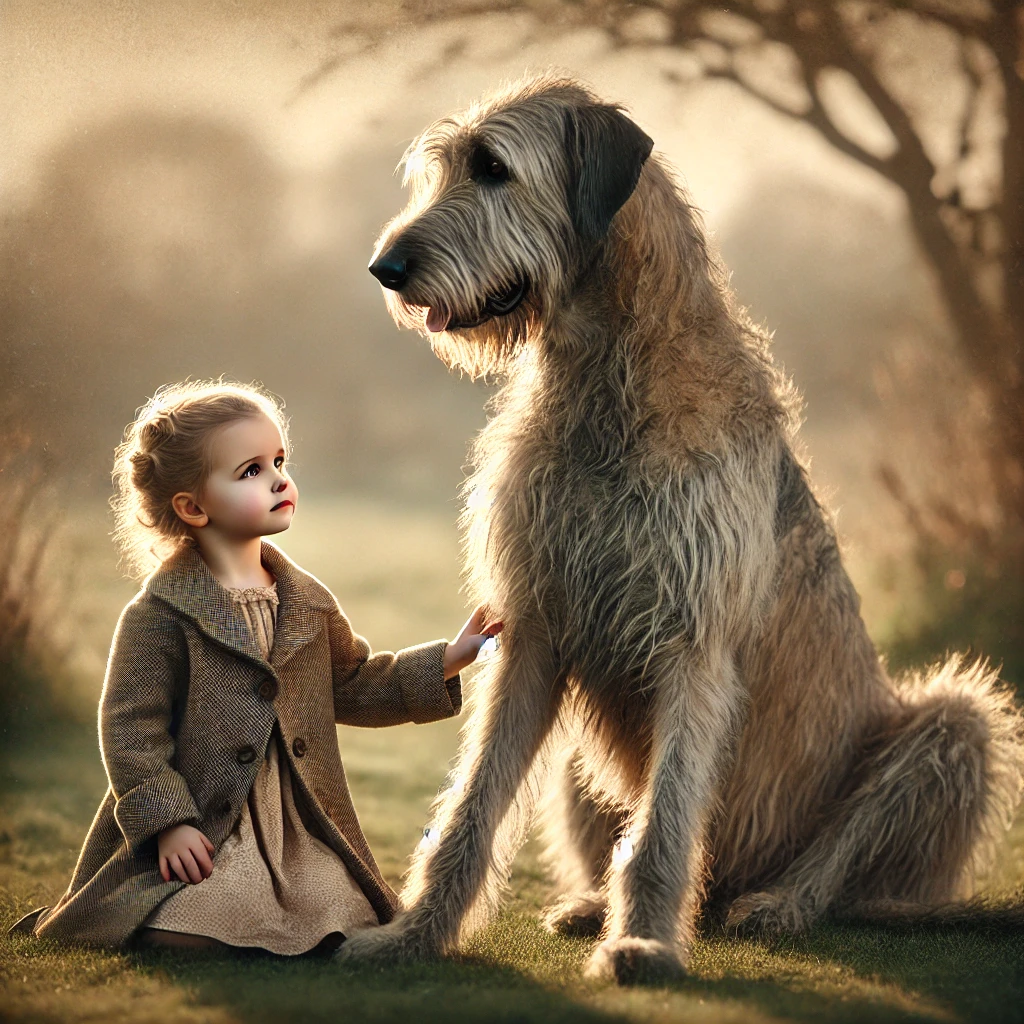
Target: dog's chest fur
{"points": [[584, 532]]}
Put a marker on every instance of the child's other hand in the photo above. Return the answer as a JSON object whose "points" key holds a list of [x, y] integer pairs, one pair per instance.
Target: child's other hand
{"points": [[185, 853], [462, 651]]}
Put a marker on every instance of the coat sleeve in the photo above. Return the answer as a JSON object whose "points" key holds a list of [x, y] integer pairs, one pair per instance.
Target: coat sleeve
{"points": [[135, 725], [385, 688]]}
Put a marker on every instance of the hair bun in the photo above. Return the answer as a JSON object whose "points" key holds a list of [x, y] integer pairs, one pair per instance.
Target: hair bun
{"points": [[143, 468], [157, 428]]}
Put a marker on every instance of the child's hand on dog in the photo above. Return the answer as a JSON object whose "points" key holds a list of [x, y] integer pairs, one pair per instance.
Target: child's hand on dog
{"points": [[462, 651]]}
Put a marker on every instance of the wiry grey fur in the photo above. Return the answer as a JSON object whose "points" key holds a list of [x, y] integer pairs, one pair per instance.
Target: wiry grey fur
{"points": [[682, 641]]}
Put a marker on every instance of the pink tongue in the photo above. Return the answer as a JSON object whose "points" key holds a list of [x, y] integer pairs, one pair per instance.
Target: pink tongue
{"points": [[437, 319]]}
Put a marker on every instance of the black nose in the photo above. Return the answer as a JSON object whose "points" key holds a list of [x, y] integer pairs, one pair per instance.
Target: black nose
{"points": [[391, 269]]}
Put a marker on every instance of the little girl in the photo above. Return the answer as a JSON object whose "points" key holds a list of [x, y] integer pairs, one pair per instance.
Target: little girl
{"points": [[228, 819]]}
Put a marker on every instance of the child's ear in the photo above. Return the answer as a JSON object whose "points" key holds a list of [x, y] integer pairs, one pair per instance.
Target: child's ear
{"points": [[187, 509]]}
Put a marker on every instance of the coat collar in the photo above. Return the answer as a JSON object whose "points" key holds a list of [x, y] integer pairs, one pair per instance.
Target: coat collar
{"points": [[185, 582]]}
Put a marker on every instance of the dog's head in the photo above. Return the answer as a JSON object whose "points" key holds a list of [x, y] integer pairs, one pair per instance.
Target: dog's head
{"points": [[508, 202]]}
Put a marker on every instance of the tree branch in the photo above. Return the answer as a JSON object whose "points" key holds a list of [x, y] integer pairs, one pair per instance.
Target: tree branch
{"points": [[819, 118], [963, 24], [783, 26], [816, 116], [910, 162]]}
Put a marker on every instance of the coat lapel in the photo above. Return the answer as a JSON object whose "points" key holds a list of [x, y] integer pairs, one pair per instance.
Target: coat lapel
{"points": [[300, 597], [185, 582]]}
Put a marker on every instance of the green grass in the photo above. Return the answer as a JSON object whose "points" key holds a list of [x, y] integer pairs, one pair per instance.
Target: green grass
{"points": [[512, 971], [982, 615], [396, 576]]}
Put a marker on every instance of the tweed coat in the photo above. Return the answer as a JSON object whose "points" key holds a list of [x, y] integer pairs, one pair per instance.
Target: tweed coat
{"points": [[188, 708]]}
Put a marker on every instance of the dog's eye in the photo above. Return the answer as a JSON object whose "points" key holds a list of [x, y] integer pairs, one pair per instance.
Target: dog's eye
{"points": [[488, 167], [496, 169]]}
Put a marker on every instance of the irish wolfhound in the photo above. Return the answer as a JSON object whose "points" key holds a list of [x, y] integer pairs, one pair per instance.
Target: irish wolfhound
{"points": [[680, 632]]}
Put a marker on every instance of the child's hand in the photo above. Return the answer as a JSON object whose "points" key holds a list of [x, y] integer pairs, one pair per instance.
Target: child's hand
{"points": [[462, 651], [185, 852]]}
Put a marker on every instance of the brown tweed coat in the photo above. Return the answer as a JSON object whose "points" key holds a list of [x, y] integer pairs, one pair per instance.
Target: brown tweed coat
{"points": [[188, 708]]}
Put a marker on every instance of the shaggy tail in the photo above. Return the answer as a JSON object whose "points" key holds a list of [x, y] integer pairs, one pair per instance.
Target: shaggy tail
{"points": [[975, 745]]}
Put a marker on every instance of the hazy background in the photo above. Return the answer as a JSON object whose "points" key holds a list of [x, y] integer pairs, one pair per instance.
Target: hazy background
{"points": [[194, 189]]}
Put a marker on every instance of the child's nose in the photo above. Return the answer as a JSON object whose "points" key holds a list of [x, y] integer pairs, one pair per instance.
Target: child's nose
{"points": [[280, 485]]}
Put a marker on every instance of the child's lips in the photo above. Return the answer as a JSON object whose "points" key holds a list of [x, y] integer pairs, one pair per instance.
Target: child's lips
{"points": [[281, 504]]}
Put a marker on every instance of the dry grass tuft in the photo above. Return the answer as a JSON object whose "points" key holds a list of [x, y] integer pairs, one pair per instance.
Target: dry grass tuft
{"points": [[31, 655]]}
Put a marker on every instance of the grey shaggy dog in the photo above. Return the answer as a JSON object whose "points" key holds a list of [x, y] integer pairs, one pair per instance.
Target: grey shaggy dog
{"points": [[683, 646]]}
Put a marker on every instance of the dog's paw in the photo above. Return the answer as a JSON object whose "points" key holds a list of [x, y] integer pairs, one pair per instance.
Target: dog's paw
{"points": [[577, 915], [766, 914], [630, 961], [390, 943]]}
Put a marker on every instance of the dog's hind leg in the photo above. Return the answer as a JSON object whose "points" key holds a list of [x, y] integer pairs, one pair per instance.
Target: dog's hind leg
{"points": [[654, 893], [512, 712], [932, 792], [580, 834]]}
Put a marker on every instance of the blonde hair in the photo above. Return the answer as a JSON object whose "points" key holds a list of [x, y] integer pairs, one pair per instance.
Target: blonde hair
{"points": [[166, 449]]}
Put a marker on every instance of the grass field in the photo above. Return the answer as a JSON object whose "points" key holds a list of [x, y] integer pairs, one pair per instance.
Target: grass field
{"points": [[396, 576]]}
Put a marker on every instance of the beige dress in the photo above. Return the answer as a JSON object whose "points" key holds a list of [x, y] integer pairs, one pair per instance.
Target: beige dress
{"points": [[274, 885]]}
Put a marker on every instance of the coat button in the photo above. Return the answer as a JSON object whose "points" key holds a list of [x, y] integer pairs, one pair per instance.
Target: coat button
{"points": [[299, 746], [246, 755], [268, 689]]}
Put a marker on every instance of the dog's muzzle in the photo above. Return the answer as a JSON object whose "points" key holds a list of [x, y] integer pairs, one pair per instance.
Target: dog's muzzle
{"points": [[392, 269]]}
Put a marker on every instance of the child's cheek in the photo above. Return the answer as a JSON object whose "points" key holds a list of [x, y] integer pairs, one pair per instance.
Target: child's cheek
{"points": [[260, 505], [253, 507]]}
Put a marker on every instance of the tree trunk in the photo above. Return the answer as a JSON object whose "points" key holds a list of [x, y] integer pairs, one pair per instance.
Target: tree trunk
{"points": [[991, 339], [991, 345], [1008, 43]]}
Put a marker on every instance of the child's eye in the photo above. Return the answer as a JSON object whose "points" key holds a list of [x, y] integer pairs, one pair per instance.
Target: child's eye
{"points": [[251, 470], [279, 461]]}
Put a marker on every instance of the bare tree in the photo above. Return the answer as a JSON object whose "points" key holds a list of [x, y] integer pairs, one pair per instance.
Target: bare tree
{"points": [[810, 60]]}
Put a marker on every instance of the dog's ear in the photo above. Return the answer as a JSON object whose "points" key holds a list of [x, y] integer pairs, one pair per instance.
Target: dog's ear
{"points": [[606, 154]]}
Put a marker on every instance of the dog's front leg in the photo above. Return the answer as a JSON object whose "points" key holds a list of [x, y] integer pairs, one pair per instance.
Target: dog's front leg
{"points": [[655, 887], [513, 711]]}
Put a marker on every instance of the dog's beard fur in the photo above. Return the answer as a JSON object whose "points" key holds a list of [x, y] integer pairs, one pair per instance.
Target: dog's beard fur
{"points": [[482, 239]]}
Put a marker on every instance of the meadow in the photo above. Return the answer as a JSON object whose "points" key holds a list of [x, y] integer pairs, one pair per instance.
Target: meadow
{"points": [[395, 572]]}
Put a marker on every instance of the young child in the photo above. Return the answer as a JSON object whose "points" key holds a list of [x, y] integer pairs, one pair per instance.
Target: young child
{"points": [[228, 819]]}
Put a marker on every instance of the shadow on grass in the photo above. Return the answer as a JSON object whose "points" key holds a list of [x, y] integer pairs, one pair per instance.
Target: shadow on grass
{"points": [[512, 971], [519, 974], [976, 974], [468, 989], [269, 989]]}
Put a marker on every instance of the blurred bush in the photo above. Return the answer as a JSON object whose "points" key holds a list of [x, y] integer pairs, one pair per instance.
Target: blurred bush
{"points": [[967, 602], [33, 656], [966, 560]]}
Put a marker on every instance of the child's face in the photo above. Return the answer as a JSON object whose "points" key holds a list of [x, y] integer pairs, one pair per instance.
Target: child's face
{"points": [[249, 492]]}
